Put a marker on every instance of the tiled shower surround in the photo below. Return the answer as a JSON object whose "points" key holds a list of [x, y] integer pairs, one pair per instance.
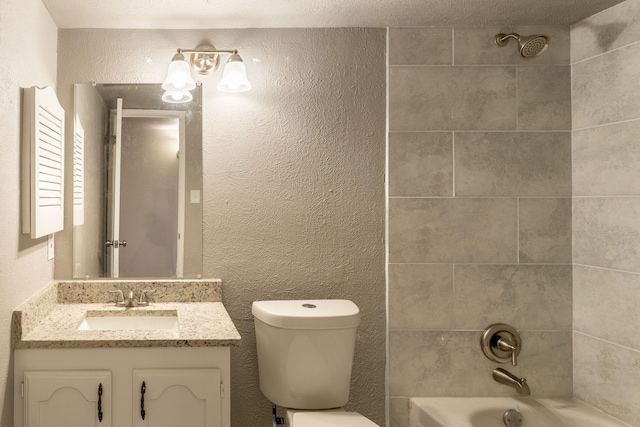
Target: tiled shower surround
{"points": [[514, 196], [479, 211], [605, 56]]}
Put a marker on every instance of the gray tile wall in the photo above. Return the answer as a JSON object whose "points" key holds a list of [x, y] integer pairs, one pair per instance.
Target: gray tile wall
{"points": [[605, 54], [479, 211]]}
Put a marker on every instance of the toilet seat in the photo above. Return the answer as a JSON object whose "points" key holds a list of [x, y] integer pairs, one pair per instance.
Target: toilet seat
{"points": [[330, 418]]}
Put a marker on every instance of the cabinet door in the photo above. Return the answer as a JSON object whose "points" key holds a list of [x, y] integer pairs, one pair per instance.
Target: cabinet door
{"points": [[67, 398], [177, 398]]}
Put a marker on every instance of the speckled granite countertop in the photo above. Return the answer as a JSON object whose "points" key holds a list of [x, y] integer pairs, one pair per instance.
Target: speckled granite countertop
{"points": [[48, 321]]}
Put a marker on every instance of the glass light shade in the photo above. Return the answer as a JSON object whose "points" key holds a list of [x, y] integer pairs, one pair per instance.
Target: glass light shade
{"points": [[178, 76], [177, 97], [234, 76]]}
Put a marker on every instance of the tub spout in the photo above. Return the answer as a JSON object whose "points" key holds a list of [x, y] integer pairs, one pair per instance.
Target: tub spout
{"points": [[507, 378]]}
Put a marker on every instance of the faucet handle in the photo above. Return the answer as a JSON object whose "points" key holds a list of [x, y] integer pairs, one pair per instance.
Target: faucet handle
{"points": [[501, 343], [119, 302], [505, 343], [143, 301]]}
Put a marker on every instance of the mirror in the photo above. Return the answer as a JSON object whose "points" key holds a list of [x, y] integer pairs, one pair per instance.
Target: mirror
{"points": [[137, 183]]}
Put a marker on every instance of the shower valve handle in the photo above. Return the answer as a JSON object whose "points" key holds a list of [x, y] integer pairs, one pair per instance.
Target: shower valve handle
{"points": [[501, 343], [504, 344]]}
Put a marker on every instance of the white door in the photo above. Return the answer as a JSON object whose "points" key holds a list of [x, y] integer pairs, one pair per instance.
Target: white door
{"points": [[177, 398], [147, 193], [67, 398]]}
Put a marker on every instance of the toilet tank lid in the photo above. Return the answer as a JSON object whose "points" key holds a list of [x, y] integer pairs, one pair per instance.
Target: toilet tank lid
{"points": [[308, 314]]}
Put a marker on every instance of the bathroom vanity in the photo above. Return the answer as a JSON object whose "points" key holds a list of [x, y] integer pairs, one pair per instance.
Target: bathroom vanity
{"points": [[79, 360]]}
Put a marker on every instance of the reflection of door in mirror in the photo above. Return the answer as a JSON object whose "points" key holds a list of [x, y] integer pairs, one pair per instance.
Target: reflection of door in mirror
{"points": [[145, 207], [166, 241]]}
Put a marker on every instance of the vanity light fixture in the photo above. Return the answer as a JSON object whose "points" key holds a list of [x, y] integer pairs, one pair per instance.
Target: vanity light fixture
{"points": [[204, 59], [234, 76]]}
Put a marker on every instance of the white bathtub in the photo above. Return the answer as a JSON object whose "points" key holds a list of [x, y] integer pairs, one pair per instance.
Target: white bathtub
{"points": [[489, 411]]}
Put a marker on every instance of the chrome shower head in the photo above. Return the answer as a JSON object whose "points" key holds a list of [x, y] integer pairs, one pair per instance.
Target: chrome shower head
{"points": [[529, 46]]}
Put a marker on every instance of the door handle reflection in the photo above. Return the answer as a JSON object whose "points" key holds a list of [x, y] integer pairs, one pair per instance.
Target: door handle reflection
{"points": [[116, 243]]}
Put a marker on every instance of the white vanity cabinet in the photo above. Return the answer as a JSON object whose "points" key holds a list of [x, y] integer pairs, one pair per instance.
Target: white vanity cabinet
{"points": [[67, 398], [185, 386]]}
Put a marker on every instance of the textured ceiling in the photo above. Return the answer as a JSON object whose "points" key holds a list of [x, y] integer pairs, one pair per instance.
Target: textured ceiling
{"points": [[192, 14]]}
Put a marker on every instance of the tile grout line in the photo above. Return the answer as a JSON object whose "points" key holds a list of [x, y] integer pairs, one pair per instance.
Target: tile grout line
{"points": [[507, 197], [495, 130], [615, 270], [453, 46], [453, 163], [476, 65], [605, 124], [604, 53], [453, 296], [595, 337], [518, 230], [489, 263], [386, 228], [453, 133], [517, 103]]}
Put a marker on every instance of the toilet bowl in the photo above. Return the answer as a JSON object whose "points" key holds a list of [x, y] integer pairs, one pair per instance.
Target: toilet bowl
{"points": [[305, 353]]}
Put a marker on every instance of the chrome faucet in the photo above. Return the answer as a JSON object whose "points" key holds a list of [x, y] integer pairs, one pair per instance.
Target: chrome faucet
{"points": [[131, 299], [507, 378]]}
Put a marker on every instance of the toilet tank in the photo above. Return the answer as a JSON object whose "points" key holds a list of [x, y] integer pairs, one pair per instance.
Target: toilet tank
{"points": [[305, 351]]}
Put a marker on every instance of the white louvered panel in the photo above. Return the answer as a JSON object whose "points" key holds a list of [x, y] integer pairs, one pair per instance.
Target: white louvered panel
{"points": [[43, 163], [78, 173]]}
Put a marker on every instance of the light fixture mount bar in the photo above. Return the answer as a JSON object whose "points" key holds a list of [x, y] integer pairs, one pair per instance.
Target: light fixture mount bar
{"points": [[200, 50], [205, 58]]}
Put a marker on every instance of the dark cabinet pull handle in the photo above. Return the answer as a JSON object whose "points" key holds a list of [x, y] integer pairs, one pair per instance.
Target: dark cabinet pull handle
{"points": [[143, 389], [100, 402]]}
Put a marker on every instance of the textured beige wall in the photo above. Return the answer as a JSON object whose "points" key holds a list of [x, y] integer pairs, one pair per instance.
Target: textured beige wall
{"points": [[479, 212], [293, 177], [90, 236], [605, 52], [28, 42]]}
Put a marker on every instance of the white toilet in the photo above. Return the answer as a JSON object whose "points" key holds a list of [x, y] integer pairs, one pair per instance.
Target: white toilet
{"points": [[305, 352]]}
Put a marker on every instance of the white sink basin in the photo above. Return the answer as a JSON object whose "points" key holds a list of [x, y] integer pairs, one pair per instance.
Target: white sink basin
{"points": [[166, 320]]}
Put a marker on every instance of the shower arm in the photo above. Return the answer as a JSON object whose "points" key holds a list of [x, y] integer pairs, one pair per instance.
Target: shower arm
{"points": [[502, 39]]}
